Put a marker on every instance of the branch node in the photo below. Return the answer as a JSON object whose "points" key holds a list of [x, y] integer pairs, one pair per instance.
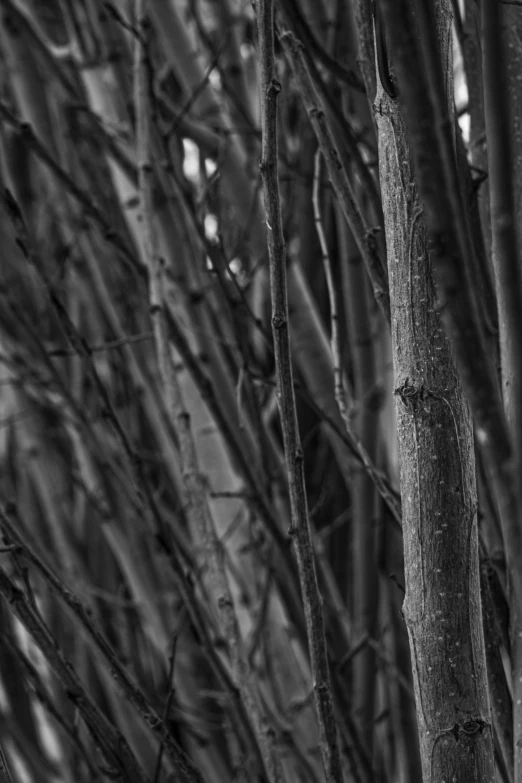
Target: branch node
{"points": [[278, 321]]}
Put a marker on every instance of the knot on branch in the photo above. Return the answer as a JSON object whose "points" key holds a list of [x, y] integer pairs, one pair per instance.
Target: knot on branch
{"points": [[274, 87], [410, 395], [382, 108], [469, 728], [265, 165], [278, 321], [321, 688]]}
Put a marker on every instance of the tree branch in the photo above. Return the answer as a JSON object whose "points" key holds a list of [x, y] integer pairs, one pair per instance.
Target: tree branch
{"points": [[300, 526]]}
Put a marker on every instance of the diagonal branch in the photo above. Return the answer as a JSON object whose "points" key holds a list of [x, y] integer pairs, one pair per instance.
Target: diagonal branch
{"points": [[366, 240], [194, 482], [112, 743], [131, 690]]}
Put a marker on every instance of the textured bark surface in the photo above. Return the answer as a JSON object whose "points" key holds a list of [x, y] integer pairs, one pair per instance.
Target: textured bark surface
{"points": [[442, 606], [512, 40], [511, 43]]}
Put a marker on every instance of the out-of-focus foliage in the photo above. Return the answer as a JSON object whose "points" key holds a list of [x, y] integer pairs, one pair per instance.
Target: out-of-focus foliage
{"points": [[152, 627]]}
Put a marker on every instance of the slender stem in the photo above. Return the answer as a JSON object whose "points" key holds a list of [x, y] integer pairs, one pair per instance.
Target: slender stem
{"points": [[340, 394], [110, 740], [166, 709], [300, 525], [145, 181], [5, 775], [195, 484], [44, 698], [300, 26], [366, 240], [132, 691], [29, 137], [260, 503]]}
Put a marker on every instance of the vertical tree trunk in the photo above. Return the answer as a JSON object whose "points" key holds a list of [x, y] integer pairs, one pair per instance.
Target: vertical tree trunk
{"points": [[502, 127], [511, 41], [442, 606]]}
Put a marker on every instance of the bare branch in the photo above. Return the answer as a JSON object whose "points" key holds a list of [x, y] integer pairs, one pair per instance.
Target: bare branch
{"points": [[300, 526]]}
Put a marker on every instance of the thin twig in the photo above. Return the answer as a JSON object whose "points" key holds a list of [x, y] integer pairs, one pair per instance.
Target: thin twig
{"points": [[120, 674], [195, 93], [46, 701], [302, 29], [382, 483], [108, 346], [300, 525], [365, 238], [340, 394], [5, 775], [166, 711], [194, 483], [110, 740], [260, 502], [28, 135]]}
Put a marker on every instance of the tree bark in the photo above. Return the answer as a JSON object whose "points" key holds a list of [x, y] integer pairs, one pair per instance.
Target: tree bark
{"points": [[442, 606], [503, 128], [511, 34]]}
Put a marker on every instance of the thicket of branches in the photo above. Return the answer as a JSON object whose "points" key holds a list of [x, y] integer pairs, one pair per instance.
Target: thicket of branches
{"points": [[260, 272]]}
